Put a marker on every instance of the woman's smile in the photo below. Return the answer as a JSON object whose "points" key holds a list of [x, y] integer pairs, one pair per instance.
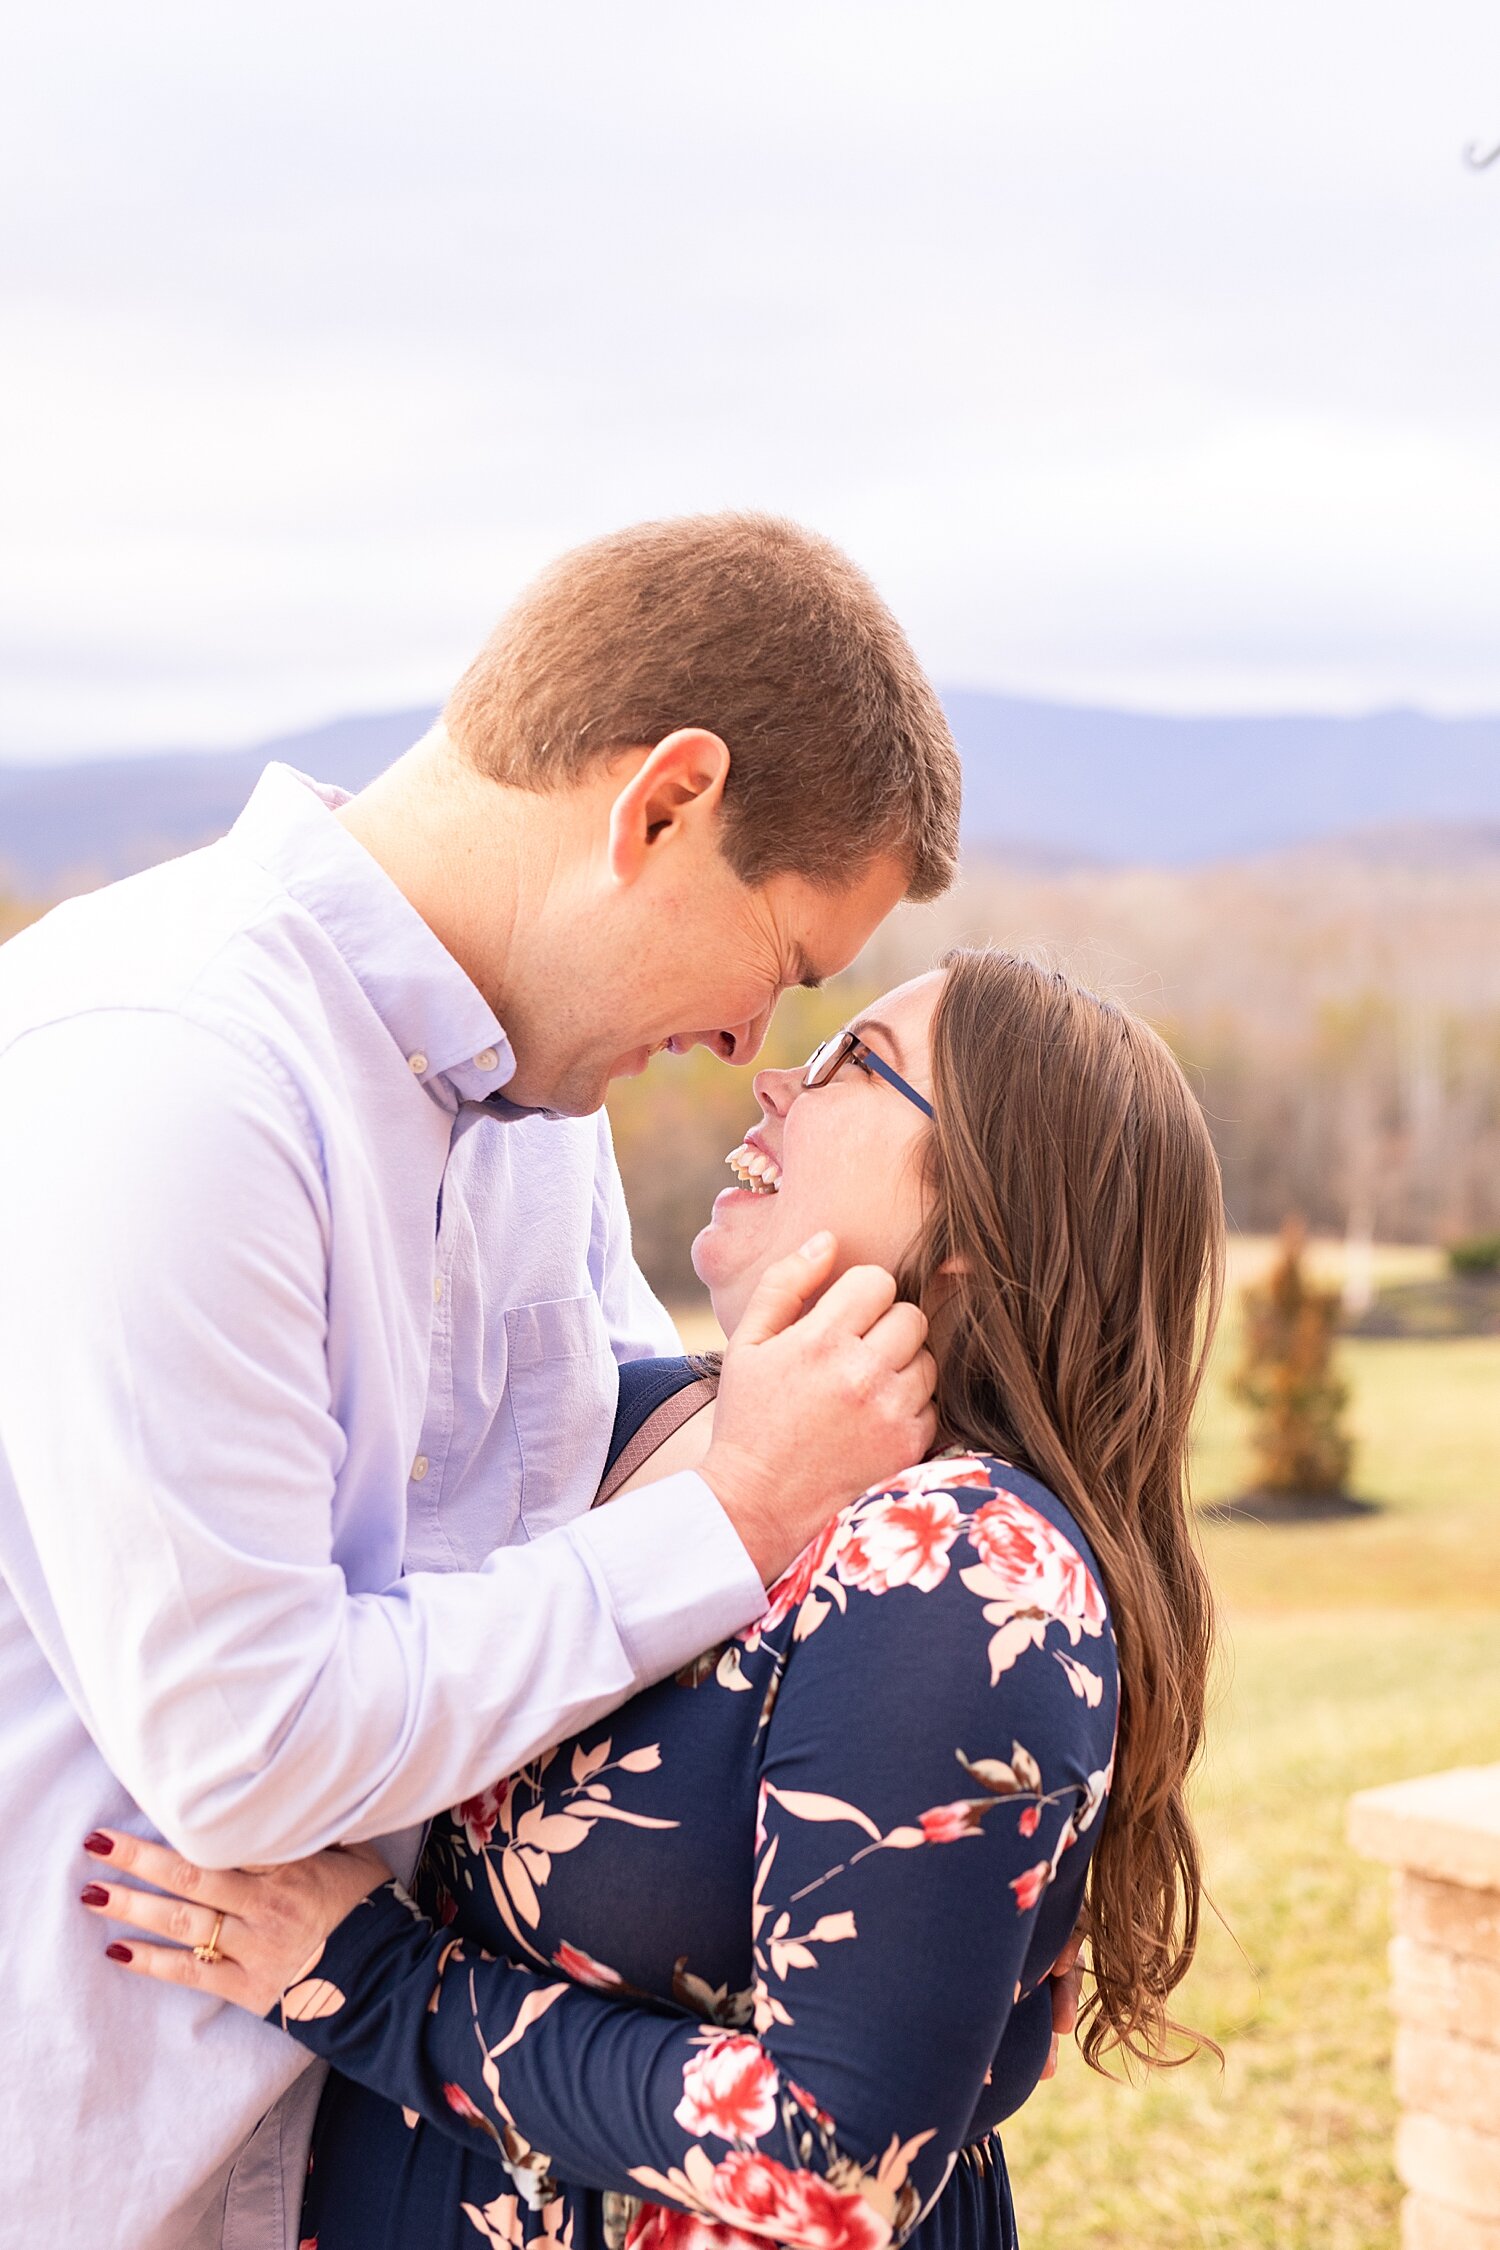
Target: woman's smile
{"points": [[754, 1167], [840, 1155]]}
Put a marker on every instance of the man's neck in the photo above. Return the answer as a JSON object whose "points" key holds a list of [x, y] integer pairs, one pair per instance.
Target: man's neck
{"points": [[468, 853]]}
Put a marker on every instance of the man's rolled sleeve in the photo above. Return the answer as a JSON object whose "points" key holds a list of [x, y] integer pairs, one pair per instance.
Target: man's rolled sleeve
{"points": [[712, 1589]]}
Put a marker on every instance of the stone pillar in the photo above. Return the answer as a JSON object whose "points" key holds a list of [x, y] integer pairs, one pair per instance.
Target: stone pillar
{"points": [[1442, 1836]]}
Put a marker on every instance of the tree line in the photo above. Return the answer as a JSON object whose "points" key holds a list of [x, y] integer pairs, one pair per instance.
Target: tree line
{"points": [[1337, 1009]]}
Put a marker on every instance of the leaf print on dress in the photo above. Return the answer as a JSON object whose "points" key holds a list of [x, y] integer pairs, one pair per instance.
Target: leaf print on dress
{"points": [[1019, 1779], [310, 2000], [797, 1583], [498, 2223], [1030, 1578], [513, 1829], [1086, 1684], [791, 1949], [810, 1804], [730, 1672], [1004, 1777], [712, 2003]]}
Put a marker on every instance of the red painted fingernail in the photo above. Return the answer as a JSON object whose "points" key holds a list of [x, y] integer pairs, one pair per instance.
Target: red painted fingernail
{"points": [[94, 1894], [98, 1844], [118, 1953]]}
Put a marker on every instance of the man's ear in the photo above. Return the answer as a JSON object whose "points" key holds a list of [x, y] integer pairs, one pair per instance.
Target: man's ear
{"points": [[677, 785]]}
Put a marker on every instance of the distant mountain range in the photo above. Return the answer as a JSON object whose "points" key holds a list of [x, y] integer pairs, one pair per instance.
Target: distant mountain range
{"points": [[1047, 785]]}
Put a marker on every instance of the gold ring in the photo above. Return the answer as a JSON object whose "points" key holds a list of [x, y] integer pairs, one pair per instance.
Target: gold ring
{"points": [[210, 1953]]}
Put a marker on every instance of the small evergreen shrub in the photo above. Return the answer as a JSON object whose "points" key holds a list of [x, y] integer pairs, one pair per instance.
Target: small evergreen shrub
{"points": [[1286, 1377], [1480, 1254]]}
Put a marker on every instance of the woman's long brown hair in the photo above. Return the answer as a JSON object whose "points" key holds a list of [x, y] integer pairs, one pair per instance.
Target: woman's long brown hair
{"points": [[1074, 1255]]}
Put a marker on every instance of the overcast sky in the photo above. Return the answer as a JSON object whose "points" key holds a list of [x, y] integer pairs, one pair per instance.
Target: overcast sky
{"points": [[1145, 353]]}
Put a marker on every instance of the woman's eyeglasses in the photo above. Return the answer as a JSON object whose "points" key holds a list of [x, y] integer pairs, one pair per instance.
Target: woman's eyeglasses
{"points": [[848, 1047]]}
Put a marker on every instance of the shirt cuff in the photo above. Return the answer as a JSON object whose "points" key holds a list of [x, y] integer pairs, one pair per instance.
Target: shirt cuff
{"points": [[678, 1575]]}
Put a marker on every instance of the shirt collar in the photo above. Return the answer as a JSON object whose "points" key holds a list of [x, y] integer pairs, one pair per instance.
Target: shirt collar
{"points": [[451, 1038]]}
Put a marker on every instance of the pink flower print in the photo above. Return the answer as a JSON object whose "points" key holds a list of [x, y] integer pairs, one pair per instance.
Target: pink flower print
{"points": [[754, 2191], [461, 2106], [477, 1815], [900, 1542], [1041, 1569], [729, 2088], [1030, 1886], [940, 1476], [584, 1969], [946, 1823], [1031, 1820], [656, 2226]]}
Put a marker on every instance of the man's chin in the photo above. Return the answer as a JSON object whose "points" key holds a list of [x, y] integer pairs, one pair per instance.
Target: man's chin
{"points": [[634, 1064], [571, 1097]]}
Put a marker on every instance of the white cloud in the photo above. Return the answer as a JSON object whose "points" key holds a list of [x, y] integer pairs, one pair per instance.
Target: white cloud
{"points": [[1143, 353]]}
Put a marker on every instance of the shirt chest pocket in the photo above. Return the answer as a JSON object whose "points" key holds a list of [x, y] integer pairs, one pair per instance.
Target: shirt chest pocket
{"points": [[560, 1388]]}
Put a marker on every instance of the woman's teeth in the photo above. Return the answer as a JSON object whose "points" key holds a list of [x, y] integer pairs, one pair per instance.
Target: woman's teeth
{"points": [[753, 1170]]}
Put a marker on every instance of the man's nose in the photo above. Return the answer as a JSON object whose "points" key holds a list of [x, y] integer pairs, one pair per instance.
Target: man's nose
{"points": [[740, 1042]]}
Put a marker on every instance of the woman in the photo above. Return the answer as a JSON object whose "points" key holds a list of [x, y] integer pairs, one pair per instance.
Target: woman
{"points": [[766, 1954]]}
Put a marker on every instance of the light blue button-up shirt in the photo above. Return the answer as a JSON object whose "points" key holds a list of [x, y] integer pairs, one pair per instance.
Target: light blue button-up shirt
{"points": [[307, 1371]]}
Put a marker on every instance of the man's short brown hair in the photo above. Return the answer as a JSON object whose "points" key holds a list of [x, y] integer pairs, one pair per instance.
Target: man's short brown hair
{"points": [[759, 631]]}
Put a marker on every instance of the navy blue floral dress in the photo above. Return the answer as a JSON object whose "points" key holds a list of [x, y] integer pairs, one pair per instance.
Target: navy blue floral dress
{"points": [[763, 1957]]}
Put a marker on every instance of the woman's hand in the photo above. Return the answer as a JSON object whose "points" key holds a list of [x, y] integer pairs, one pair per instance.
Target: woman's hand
{"points": [[243, 1934], [1066, 1974]]}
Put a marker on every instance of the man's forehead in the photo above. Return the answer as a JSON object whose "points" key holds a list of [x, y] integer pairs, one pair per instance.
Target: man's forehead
{"points": [[828, 927]]}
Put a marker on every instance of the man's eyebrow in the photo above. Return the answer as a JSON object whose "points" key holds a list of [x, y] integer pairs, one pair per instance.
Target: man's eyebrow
{"points": [[867, 1024]]}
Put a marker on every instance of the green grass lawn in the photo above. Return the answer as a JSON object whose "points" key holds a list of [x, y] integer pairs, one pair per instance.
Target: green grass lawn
{"points": [[1354, 1652]]}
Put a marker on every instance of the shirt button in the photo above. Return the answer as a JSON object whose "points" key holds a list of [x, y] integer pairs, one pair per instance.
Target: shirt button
{"points": [[437, 1289], [486, 1059], [419, 1468], [416, 1064]]}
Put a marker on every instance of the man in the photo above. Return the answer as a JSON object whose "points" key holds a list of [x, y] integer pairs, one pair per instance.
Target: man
{"points": [[316, 1271]]}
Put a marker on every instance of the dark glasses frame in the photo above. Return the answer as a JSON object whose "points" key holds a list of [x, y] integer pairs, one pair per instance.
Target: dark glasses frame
{"points": [[848, 1047]]}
